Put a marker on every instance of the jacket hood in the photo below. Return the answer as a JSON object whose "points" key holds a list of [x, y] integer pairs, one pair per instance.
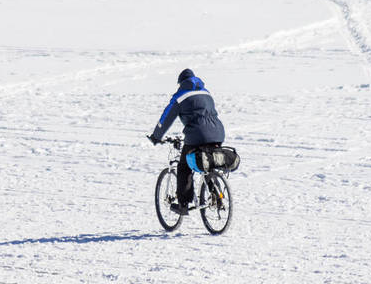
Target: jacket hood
{"points": [[192, 84], [185, 74]]}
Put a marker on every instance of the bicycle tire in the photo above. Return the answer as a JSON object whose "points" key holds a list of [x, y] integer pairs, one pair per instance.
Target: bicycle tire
{"points": [[217, 215], [169, 220]]}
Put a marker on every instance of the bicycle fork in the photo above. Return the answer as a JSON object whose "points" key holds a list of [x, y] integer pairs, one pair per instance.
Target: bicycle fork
{"points": [[168, 195]]}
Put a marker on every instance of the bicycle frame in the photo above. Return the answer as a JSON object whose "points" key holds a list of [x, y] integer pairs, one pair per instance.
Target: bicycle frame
{"points": [[173, 158], [197, 191]]}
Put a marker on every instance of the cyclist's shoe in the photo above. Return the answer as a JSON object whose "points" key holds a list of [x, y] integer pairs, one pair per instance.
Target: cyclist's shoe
{"points": [[179, 208]]}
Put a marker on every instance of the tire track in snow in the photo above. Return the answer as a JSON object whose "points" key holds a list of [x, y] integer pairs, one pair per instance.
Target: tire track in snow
{"points": [[81, 75], [116, 62], [358, 28], [122, 63], [306, 37]]}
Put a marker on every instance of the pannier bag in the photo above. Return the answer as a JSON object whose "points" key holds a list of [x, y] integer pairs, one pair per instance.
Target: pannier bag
{"points": [[205, 159]]}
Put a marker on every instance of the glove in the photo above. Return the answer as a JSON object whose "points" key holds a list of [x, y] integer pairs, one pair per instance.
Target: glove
{"points": [[153, 139]]}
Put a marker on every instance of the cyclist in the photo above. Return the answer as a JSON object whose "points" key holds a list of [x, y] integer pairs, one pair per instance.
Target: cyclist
{"points": [[196, 109]]}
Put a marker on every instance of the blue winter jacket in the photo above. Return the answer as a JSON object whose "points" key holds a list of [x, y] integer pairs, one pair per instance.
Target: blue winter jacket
{"points": [[196, 109]]}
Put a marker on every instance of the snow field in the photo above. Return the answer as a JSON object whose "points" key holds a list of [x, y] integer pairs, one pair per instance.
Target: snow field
{"points": [[77, 173]]}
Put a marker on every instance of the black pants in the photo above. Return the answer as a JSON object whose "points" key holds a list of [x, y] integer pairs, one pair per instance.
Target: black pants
{"points": [[185, 175]]}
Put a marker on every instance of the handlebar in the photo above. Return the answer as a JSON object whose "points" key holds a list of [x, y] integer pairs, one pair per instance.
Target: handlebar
{"points": [[171, 140], [176, 142]]}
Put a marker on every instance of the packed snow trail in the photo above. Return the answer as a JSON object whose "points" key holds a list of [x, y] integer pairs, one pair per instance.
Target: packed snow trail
{"points": [[294, 40], [356, 17]]}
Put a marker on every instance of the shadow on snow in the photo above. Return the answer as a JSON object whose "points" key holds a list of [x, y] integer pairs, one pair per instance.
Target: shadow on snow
{"points": [[91, 238]]}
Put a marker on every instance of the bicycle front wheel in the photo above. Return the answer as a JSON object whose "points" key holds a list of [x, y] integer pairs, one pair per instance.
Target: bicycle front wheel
{"points": [[217, 214], [165, 195]]}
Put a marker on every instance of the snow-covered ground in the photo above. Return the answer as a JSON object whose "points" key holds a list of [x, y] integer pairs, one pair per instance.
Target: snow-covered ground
{"points": [[82, 83]]}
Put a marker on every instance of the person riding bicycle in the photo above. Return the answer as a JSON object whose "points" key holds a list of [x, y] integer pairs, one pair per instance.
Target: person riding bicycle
{"points": [[196, 109]]}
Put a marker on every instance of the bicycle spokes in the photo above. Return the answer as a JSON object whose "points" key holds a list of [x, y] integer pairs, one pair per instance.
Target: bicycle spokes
{"points": [[217, 213], [165, 195]]}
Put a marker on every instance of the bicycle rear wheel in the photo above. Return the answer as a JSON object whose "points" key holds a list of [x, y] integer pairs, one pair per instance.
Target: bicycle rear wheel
{"points": [[217, 197], [165, 195]]}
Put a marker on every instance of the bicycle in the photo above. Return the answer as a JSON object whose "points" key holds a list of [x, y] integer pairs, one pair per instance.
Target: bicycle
{"points": [[212, 195]]}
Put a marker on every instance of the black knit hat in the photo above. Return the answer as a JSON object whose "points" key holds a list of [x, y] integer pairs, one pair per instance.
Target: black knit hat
{"points": [[185, 74]]}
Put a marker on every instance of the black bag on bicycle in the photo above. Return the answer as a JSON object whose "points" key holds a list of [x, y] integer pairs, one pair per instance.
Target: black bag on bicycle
{"points": [[204, 159]]}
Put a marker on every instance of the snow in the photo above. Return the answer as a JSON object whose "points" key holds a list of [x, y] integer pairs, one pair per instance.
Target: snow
{"points": [[82, 83]]}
